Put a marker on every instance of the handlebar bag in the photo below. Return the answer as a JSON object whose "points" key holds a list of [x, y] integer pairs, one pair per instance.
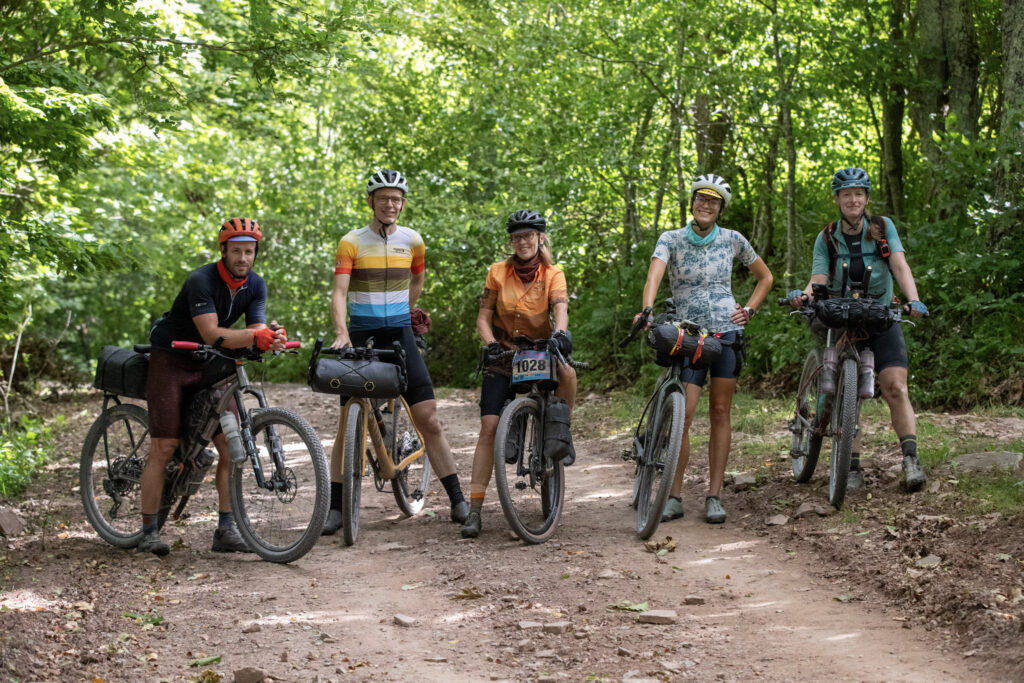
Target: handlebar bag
{"points": [[872, 316], [359, 378], [122, 372], [670, 341]]}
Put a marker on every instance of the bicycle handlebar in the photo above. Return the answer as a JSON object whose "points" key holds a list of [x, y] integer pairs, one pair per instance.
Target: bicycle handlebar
{"points": [[200, 351], [638, 325]]}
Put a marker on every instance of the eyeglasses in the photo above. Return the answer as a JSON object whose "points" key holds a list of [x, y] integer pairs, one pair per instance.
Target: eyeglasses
{"points": [[707, 201], [394, 201], [522, 236]]}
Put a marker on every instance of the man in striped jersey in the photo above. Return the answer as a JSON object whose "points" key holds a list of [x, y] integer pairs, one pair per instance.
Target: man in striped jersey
{"points": [[378, 275]]}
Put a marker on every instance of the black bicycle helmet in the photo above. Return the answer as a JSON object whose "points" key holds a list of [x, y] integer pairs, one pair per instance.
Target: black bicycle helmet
{"points": [[850, 177], [386, 178], [525, 219]]}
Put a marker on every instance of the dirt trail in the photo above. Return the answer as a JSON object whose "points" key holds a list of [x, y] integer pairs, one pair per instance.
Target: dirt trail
{"points": [[750, 605]]}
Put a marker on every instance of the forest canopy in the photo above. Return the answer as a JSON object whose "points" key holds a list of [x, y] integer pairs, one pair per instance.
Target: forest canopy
{"points": [[129, 131]]}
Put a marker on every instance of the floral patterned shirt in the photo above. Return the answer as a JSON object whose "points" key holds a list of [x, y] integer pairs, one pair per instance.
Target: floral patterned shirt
{"points": [[701, 277]]}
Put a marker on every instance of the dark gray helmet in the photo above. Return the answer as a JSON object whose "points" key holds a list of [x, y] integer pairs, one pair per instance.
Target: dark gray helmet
{"points": [[525, 218], [386, 178], [850, 177]]}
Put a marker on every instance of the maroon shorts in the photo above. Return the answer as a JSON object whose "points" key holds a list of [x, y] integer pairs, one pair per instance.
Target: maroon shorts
{"points": [[172, 378]]}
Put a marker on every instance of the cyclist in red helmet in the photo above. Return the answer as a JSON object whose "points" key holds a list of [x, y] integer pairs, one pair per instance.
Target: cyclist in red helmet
{"points": [[212, 299]]}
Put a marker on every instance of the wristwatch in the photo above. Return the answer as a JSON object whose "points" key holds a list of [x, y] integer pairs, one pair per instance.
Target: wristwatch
{"points": [[751, 312]]}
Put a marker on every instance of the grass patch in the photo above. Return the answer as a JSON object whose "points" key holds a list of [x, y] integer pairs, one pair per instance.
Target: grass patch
{"points": [[992, 493], [23, 449]]}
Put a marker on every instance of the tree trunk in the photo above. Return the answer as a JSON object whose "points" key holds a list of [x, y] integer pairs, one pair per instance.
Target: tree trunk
{"points": [[1010, 171], [711, 134], [764, 224], [631, 219], [893, 106]]}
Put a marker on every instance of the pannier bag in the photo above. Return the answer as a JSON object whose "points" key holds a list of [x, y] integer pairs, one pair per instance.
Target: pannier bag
{"points": [[671, 341], [556, 429], [871, 315], [122, 372], [356, 377]]}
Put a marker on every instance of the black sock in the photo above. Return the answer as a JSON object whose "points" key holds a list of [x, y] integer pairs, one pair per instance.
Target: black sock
{"points": [[908, 444], [855, 461], [452, 487], [336, 491], [149, 523]]}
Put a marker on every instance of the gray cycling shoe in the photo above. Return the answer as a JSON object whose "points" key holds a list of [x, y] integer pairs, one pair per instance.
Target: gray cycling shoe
{"points": [[913, 474], [714, 513], [152, 543], [229, 541], [471, 529], [673, 509], [333, 523], [460, 512], [855, 479]]}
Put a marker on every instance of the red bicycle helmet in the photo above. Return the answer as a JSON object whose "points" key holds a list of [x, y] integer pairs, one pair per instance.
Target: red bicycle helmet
{"points": [[240, 228]]}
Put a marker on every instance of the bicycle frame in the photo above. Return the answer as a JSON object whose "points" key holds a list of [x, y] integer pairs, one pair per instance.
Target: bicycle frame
{"points": [[670, 381], [382, 465]]}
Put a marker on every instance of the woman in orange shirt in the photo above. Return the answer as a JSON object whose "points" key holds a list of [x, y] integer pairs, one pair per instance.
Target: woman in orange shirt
{"points": [[522, 295]]}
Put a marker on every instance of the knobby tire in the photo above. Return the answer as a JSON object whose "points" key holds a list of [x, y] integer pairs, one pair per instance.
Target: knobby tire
{"points": [[845, 414], [807, 444], [658, 465]]}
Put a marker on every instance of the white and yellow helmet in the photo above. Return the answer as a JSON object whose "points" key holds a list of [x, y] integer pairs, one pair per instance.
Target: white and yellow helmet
{"points": [[713, 186]]}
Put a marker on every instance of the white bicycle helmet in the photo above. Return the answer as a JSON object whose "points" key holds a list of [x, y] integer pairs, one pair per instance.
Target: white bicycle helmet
{"points": [[386, 178], [715, 183]]}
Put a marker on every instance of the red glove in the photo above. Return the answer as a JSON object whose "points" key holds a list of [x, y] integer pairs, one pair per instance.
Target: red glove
{"points": [[264, 338], [420, 321]]}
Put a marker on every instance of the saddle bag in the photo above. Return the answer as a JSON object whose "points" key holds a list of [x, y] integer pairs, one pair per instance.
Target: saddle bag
{"points": [[122, 372], [670, 341], [359, 378], [557, 436]]}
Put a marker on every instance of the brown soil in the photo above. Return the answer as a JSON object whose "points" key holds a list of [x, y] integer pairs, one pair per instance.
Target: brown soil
{"points": [[841, 596]]}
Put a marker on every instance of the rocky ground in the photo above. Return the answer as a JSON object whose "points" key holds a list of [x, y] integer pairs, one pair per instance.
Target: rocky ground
{"points": [[893, 588]]}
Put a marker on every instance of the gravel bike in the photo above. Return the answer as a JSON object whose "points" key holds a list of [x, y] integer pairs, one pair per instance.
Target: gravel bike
{"points": [[657, 440], [529, 480], [397, 448], [280, 488], [835, 380]]}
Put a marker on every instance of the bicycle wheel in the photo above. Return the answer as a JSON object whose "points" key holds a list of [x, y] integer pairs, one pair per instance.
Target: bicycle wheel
{"points": [[531, 488], [352, 472], [845, 415], [110, 473], [809, 402], [658, 466], [282, 519], [640, 437], [402, 440]]}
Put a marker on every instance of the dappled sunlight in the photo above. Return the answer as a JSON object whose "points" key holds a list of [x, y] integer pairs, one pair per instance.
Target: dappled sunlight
{"points": [[710, 560], [26, 601], [602, 494], [726, 547], [843, 636]]}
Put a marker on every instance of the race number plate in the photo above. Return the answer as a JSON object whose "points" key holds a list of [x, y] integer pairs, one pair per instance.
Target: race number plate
{"points": [[530, 366]]}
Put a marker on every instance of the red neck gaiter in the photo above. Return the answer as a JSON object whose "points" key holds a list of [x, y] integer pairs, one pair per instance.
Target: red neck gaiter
{"points": [[225, 275], [527, 270]]}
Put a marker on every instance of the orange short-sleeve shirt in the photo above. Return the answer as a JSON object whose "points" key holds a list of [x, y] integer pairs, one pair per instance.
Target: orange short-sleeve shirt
{"points": [[523, 310]]}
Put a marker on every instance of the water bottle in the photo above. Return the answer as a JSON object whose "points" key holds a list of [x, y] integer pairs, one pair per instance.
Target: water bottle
{"points": [[829, 362], [866, 374], [229, 424]]}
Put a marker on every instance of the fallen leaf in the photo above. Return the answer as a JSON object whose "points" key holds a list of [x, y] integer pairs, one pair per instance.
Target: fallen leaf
{"points": [[205, 661], [627, 606], [410, 586], [468, 594], [668, 544]]}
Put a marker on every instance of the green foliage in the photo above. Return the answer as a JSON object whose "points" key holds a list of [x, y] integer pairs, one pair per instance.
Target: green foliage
{"points": [[23, 449]]}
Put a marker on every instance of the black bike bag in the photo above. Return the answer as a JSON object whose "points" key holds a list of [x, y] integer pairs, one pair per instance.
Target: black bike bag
{"points": [[557, 437], [122, 372], [671, 341], [355, 377], [848, 312]]}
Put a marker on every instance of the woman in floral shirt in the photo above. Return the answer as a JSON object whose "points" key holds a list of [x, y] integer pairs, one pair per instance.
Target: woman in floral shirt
{"points": [[699, 261]]}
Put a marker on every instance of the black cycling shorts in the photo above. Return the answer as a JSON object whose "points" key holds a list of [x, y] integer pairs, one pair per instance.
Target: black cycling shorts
{"points": [[494, 392], [723, 367], [889, 347], [420, 387]]}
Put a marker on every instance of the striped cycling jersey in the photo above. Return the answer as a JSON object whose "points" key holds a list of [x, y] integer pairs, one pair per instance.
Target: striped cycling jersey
{"points": [[380, 270]]}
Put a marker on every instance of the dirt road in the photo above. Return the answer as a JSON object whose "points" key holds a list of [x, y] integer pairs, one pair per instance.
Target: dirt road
{"points": [[413, 600]]}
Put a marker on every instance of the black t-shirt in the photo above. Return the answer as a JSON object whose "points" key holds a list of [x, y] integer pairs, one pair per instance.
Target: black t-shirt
{"points": [[856, 256], [205, 292]]}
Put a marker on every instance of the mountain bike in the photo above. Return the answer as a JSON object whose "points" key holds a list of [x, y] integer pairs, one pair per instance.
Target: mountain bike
{"points": [[835, 380], [657, 439], [370, 382], [529, 480], [280, 488]]}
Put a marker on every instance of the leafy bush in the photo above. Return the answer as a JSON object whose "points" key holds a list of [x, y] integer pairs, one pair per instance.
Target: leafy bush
{"points": [[23, 449]]}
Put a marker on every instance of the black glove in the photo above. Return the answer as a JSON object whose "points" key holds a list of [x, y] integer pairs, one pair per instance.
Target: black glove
{"points": [[563, 340], [492, 353]]}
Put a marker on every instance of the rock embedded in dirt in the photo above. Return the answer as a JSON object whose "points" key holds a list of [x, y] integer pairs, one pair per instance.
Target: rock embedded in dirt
{"points": [[777, 520], [808, 509], [404, 621], [249, 674], [530, 625], [929, 562], [252, 628], [984, 462], [658, 616], [693, 600], [743, 481], [609, 574], [10, 524], [557, 627]]}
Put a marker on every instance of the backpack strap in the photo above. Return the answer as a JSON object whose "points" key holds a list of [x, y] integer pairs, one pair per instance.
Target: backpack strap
{"points": [[829, 235], [883, 244]]}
